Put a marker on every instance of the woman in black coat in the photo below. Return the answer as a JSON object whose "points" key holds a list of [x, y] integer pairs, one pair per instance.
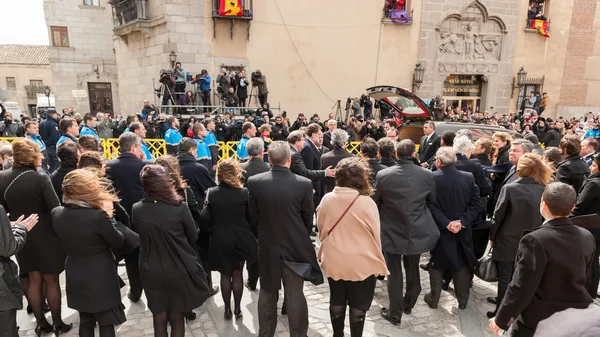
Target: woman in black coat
{"points": [[68, 153], [24, 190], [232, 241], [172, 278], [588, 202], [93, 287], [241, 86], [517, 210]]}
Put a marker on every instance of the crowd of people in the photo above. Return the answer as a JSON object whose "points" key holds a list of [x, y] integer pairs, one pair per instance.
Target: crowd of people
{"points": [[177, 218]]}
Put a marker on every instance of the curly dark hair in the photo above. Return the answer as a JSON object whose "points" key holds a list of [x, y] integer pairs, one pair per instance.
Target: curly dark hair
{"points": [[353, 173], [68, 154], [158, 185], [172, 165]]}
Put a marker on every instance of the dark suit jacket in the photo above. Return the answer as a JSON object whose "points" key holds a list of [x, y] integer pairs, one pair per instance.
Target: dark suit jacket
{"points": [[298, 167], [252, 167], [388, 162], [517, 210], [375, 167], [428, 149], [311, 157], [457, 199], [196, 175], [332, 158], [573, 171], [57, 178], [588, 201], [464, 164], [550, 274], [281, 207], [327, 140], [124, 172]]}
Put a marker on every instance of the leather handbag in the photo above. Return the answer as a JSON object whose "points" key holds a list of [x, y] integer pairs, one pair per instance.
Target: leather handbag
{"points": [[486, 268]]}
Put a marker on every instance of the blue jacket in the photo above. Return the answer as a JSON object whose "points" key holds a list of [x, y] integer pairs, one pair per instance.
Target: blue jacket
{"points": [[591, 133], [242, 153], [49, 131], [173, 137], [205, 84], [203, 151], [146, 151], [65, 138], [213, 146], [87, 131], [38, 140]]}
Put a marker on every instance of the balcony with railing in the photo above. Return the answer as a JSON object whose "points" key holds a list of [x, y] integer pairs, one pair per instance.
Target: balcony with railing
{"points": [[233, 9], [130, 16], [33, 90]]}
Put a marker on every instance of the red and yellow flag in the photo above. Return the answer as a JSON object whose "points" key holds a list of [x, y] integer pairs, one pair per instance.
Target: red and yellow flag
{"points": [[541, 26], [230, 7]]}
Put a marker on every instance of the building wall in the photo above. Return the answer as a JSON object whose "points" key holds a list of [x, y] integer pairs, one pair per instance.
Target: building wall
{"points": [[581, 80], [91, 44], [540, 56], [23, 74]]}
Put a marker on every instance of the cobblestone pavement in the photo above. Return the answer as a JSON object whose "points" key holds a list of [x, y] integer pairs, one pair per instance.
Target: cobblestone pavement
{"points": [[444, 321]]}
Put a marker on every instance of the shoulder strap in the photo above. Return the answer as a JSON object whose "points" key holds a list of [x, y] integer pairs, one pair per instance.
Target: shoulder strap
{"points": [[185, 195], [12, 182], [342, 216]]}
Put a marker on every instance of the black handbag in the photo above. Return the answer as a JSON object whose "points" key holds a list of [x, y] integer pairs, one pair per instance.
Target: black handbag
{"points": [[486, 268]]}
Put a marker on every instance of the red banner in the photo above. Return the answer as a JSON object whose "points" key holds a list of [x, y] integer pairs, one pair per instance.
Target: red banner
{"points": [[230, 7]]}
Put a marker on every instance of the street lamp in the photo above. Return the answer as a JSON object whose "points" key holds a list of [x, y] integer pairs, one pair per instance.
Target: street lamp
{"points": [[47, 93], [173, 58], [417, 76], [519, 81]]}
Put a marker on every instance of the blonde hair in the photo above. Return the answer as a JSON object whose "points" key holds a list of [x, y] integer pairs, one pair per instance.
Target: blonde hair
{"points": [[503, 136], [26, 153], [263, 128], [85, 185], [532, 166], [229, 172]]}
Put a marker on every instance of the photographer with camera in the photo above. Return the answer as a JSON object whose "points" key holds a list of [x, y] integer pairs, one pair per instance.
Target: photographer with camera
{"points": [[223, 83], [265, 108], [167, 88], [241, 85], [259, 80], [367, 105], [9, 127], [300, 122], [203, 93], [148, 109], [438, 108], [279, 131], [179, 75], [231, 100]]}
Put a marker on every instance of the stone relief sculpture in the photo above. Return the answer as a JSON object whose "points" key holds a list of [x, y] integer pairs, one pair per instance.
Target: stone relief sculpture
{"points": [[471, 35]]}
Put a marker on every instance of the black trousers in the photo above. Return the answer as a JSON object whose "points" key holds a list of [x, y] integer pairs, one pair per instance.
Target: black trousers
{"points": [[52, 158], [296, 307], [205, 95], [262, 99], [242, 105], [132, 261], [462, 280], [594, 276], [179, 90], [8, 323], [505, 274], [398, 300]]}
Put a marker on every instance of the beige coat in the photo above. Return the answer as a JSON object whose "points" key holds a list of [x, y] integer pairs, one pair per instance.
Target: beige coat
{"points": [[352, 251]]}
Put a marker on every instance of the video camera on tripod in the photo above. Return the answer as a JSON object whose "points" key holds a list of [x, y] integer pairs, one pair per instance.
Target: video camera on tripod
{"points": [[254, 77], [166, 77]]}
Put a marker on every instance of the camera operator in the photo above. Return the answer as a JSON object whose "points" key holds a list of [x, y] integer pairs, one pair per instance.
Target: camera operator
{"points": [[367, 105], [438, 108], [223, 83], [300, 122], [368, 129], [147, 110], [203, 94], [355, 105], [151, 126], [21, 130], [384, 109], [265, 108], [9, 127], [279, 131], [260, 80], [167, 88], [231, 100], [179, 75], [241, 85], [221, 129]]}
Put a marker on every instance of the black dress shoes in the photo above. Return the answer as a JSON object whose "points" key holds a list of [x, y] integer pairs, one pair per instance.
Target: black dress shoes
{"points": [[134, 296], [424, 266], [429, 302], [462, 306], [385, 313], [493, 300], [250, 286], [213, 291], [491, 314]]}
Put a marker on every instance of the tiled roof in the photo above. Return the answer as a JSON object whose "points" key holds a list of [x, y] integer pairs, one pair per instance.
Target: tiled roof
{"points": [[23, 54]]}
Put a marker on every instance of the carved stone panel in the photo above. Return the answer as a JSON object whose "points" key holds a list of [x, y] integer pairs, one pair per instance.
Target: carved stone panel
{"points": [[467, 68], [471, 35]]}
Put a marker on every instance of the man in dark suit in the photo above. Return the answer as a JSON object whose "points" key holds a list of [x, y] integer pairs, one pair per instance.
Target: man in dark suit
{"points": [[387, 152], [551, 267], [369, 150], [589, 147], [572, 170], [199, 179], [457, 206], [296, 143], [518, 148], [252, 167], [281, 207], [331, 125], [404, 194], [339, 140], [429, 144], [124, 172], [311, 155]]}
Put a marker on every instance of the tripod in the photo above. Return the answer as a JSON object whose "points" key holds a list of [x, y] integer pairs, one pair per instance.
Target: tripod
{"points": [[164, 91], [338, 111], [253, 93]]}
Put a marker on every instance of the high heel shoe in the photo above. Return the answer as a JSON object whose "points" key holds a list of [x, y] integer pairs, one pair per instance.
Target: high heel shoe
{"points": [[190, 316], [238, 313], [46, 328], [227, 314], [62, 328]]}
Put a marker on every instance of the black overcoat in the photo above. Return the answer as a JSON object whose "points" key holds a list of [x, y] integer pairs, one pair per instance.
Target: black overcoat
{"points": [[311, 157], [33, 193], [124, 172], [252, 167], [332, 158], [88, 237], [281, 206], [457, 198], [196, 175], [57, 178]]}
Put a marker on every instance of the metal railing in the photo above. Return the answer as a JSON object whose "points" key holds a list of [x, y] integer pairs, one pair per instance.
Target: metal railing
{"points": [[127, 11], [33, 90]]}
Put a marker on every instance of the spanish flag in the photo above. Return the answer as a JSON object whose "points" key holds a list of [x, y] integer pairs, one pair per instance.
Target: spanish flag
{"points": [[230, 7], [541, 26]]}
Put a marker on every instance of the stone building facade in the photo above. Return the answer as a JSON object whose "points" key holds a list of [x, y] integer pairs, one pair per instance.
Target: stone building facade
{"points": [[82, 55], [315, 53], [24, 73]]}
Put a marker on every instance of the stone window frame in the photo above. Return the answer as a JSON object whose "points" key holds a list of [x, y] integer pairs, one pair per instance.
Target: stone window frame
{"points": [[385, 16], [60, 30], [91, 3], [36, 83], [546, 4], [11, 83]]}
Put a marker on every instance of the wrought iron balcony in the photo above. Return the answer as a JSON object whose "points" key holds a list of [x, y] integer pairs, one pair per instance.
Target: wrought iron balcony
{"points": [[130, 16], [233, 9], [33, 90]]}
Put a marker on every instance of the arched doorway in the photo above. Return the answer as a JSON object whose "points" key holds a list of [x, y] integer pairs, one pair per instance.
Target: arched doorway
{"points": [[463, 91]]}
